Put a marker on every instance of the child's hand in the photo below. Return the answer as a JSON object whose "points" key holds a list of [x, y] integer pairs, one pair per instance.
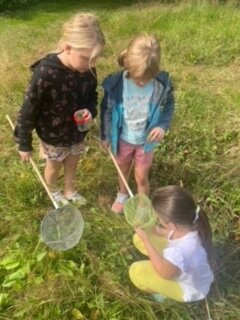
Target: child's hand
{"points": [[105, 144], [86, 114], [25, 156], [160, 231], [156, 135], [141, 233]]}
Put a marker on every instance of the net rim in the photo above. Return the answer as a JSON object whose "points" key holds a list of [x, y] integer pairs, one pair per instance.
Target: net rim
{"points": [[79, 227]]}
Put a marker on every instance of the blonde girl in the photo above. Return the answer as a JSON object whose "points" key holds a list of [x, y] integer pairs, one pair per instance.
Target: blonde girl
{"points": [[179, 249], [136, 111], [62, 83]]}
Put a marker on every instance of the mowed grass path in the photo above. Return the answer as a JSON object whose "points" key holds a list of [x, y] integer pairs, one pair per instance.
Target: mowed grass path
{"points": [[201, 50]]}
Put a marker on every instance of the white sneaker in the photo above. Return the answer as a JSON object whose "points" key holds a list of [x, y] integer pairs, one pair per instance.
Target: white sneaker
{"points": [[118, 204], [158, 297], [76, 198], [60, 199]]}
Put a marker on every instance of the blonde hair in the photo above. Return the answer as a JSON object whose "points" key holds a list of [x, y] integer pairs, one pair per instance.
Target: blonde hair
{"points": [[83, 31], [142, 57]]}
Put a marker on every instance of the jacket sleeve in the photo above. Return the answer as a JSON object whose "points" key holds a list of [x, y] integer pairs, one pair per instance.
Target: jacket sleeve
{"points": [[93, 96], [105, 117], [167, 107], [28, 113]]}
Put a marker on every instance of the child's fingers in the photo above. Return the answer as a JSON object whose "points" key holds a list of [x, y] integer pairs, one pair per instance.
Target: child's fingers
{"points": [[156, 135], [86, 114], [140, 232], [153, 136], [25, 156], [105, 145], [150, 136], [89, 117]]}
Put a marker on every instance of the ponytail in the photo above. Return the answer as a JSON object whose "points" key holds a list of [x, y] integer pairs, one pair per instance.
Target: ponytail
{"points": [[205, 233], [177, 205], [122, 58]]}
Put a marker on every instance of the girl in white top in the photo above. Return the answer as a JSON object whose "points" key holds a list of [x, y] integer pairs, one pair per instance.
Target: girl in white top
{"points": [[179, 249]]}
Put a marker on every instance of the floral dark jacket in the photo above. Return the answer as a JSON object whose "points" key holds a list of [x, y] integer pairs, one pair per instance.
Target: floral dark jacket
{"points": [[54, 93]]}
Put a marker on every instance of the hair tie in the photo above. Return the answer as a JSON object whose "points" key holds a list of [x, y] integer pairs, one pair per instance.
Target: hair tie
{"points": [[196, 215]]}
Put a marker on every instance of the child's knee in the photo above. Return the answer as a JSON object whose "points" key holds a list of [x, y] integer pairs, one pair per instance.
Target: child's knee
{"points": [[141, 180], [136, 274], [52, 167]]}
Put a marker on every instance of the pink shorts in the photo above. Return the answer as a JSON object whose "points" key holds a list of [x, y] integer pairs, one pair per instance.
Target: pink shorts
{"points": [[128, 152]]}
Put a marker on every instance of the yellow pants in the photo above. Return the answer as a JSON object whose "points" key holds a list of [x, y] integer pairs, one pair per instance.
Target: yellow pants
{"points": [[145, 278]]}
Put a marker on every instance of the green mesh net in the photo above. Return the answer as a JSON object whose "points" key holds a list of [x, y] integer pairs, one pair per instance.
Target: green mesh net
{"points": [[139, 212], [62, 228]]}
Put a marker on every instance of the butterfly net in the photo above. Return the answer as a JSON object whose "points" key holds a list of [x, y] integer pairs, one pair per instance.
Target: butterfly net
{"points": [[139, 212], [62, 228]]}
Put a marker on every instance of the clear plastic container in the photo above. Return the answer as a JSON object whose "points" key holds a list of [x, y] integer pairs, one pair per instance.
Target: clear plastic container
{"points": [[82, 122]]}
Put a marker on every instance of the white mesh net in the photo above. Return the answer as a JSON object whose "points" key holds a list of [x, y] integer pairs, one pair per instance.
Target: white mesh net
{"points": [[62, 228]]}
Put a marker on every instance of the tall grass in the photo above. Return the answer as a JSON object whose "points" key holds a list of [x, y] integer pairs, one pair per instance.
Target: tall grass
{"points": [[200, 43]]}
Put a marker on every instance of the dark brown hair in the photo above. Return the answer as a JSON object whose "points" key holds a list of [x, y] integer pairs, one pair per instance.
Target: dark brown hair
{"points": [[175, 204]]}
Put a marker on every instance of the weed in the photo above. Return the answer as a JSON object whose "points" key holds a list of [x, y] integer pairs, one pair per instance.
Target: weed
{"points": [[201, 48]]}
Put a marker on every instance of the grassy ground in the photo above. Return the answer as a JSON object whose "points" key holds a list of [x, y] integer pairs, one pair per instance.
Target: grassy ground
{"points": [[201, 50]]}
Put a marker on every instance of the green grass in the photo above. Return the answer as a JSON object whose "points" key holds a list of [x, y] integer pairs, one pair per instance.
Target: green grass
{"points": [[201, 49]]}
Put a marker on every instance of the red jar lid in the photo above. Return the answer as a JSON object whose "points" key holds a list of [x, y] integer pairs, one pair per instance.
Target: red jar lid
{"points": [[78, 117]]}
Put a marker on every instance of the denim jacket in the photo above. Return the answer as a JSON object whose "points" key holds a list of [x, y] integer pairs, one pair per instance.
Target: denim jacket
{"points": [[161, 108]]}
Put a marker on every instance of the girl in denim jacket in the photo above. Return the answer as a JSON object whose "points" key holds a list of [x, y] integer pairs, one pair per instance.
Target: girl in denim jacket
{"points": [[136, 111]]}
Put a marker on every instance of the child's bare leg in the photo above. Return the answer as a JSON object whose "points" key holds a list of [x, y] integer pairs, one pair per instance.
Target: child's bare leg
{"points": [[122, 195], [70, 173], [141, 177], [51, 174], [125, 168]]}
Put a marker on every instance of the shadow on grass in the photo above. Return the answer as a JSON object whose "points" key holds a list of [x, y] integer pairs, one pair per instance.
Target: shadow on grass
{"points": [[226, 269], [72, 6]]}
